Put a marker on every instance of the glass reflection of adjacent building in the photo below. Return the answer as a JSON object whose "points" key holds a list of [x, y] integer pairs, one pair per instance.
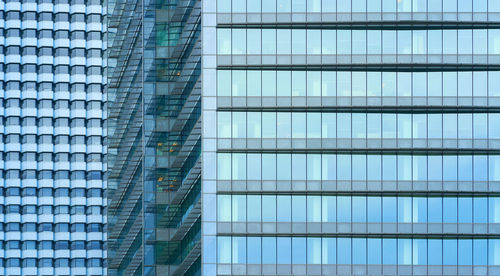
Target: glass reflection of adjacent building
{"points": [[155, 136], [351, 137]]}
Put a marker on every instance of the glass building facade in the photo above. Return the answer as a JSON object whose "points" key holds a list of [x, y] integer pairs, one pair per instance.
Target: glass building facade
{"points": [[154, 90], [52, 138], [351, 137]]}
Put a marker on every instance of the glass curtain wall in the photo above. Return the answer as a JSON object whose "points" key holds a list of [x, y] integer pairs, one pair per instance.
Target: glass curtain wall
{"points": [[154, 213], [351, 137], [52, 138]]}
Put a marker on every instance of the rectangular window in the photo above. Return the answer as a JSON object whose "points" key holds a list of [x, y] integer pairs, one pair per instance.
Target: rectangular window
{"points": [[374, 209], [224, 6], [465, 210], [254, 6], [268, 125], [268, 208], [239, 125], [388, 6], [480, 252], [284, 170], [344, 246], [450, 211], [284, 5], [450, 250], [404, 42], [313, 41], [299, 125], [420, 209], [313, 251], [284, 209], [374, 6], [374, 251], [359, 209], [359, 6], [465, 42], [315, 5], [299, 83], [344, 209], [224, 208], [254, 165], [404, 251], [284, 80], [480, 209], [344, 84], [314, 167], [254, 125], [239, 6], [269, 250], [493, 252], [344, 41], [329, 42], [254, 250], [358, 251], [389, 251], [344, 167], [435, 209], [239, 208], [254, 40], [268, 41], [359, 42], [494, 38], [239, 250], [480, 41], [329, 167], [329, 207], [298, 42], [389, 41], [374, 38], [449, 5], [268, 6], [299, 209], [224, 250], [284, 40], [420, 251], [328, 84], [436, 252], [224, 166], [254, 213], [389, 210], [465, 5], [464, 252], [344, 6], [269, 84], [299, 6], [254, 83], [313, 84], [284, 246], [223, 83], [359, 168], [299, 250], [313, 209], [223, 41], [329, 250]]}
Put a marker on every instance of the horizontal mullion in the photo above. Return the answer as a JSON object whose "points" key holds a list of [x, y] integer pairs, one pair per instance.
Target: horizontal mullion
{"points": [[382, 193], [367, 235], [370, 109], [384, 151], [368, 25], [389, 67]]}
